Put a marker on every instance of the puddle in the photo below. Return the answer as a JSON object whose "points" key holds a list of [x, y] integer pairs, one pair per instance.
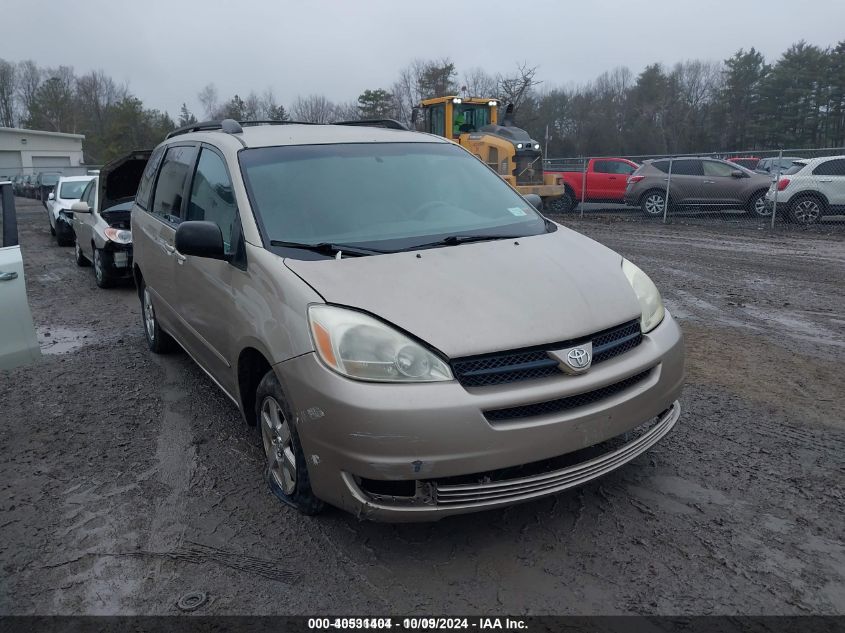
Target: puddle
{"points": [[61, 340]]}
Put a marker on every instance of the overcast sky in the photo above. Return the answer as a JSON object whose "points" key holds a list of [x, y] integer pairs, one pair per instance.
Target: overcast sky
{"points": [[167, 50]]}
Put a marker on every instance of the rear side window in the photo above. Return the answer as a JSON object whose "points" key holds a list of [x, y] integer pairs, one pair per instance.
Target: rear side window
{"points": [[212, 196], [686, 168], [796, 167], [171, 182], [145, 187], [831, 168]]}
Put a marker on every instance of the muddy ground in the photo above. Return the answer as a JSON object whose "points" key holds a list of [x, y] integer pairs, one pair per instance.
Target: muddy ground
{"points": [[128, 480]]}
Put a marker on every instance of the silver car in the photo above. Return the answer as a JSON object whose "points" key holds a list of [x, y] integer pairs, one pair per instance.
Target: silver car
{"points": [[409, 336], [101, 219]]}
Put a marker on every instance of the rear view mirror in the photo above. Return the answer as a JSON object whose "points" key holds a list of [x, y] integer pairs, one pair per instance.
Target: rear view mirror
{"points": [[52, 196], [200, 239], [737, 174], [80, 207], [535, 200]]}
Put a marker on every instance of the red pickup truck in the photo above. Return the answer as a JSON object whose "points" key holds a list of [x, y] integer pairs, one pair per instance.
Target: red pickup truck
{"points": [[605, 179]]}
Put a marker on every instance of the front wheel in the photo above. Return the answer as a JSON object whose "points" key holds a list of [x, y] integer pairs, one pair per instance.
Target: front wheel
{"points": [[757, 205], [563, 204], [100, 273], [653, 203], [287, 472]]}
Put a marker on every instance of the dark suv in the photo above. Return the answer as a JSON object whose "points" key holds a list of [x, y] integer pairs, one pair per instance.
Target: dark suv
{"points": [[705, 183]]}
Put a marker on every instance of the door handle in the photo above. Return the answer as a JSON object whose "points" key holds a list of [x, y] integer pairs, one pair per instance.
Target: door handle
{"points": [[825, 179], [611, 177], [168, 248], [709, 182], [180, 258], [8, 276]]}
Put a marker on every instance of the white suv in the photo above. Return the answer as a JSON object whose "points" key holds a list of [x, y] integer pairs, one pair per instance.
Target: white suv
{"points": [[809, 189], [68, 190]]}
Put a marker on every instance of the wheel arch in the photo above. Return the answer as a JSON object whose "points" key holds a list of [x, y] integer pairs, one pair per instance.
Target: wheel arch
{"points": [[252, 366], [812, 193]]}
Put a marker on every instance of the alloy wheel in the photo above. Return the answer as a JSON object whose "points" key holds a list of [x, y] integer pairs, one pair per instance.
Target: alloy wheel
{"points": [[807, 211], [149, 316], [760, 207], [278, 445], [654, 204]]}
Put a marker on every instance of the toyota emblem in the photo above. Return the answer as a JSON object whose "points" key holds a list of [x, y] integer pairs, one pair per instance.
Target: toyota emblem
{"points": [[578, 358]]}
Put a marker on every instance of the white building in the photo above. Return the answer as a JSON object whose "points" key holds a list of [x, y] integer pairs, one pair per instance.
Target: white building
{"points": [[31, 151]]}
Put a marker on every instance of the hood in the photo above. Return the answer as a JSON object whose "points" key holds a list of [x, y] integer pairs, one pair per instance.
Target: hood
{"points": [[488, 296], [120, 178]]}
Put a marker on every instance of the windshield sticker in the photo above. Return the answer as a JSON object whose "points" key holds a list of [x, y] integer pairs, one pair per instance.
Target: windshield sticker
{"points": [[516, 211]]}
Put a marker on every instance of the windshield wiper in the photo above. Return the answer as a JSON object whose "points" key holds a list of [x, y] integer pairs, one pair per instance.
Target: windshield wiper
{"points": [[455, 240], [329, 248]]}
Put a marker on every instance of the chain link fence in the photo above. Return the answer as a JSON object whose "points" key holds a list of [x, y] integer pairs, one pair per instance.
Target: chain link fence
{"points": [[775, 189]]}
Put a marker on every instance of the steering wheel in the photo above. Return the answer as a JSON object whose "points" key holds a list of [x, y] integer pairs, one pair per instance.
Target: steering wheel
{"points": [[423, 210]]}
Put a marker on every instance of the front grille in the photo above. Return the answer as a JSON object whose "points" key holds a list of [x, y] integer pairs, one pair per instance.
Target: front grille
{"points": [[527, 364], [563, 404]]}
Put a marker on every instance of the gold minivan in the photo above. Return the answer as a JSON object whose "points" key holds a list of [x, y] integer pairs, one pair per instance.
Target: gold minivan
{"points": [[411, 337]]}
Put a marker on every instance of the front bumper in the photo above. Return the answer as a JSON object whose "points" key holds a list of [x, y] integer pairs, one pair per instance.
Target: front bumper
{"points": [[436, 437], [117, 259]]}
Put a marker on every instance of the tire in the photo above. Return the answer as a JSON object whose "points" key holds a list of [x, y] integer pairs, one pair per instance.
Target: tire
{"points": [[756, 206], [806, 210], [653, 203], [286, 468], [159, 341], [79, 257], [563, 204], [101, 276]]}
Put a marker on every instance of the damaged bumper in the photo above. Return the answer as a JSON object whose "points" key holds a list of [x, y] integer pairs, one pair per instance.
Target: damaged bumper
{"points": [[420, 452]]}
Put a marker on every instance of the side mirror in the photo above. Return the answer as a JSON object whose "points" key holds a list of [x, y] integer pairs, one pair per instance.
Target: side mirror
{"points": [[80, 207], [51, 196], [200, 239], [535, 200], [737, 174]]}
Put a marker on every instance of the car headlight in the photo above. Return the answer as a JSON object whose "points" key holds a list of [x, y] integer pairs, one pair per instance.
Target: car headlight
{"points": [[362, 347], [121, 236], [647, 294]]}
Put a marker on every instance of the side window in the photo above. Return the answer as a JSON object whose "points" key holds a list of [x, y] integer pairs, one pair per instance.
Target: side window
{"points": [[712, 168], [603, 167], [686, 168], [623, 168], [435, 116], [145, 187], [831, 168], [88, 194], [212, 196], [170, 186]]}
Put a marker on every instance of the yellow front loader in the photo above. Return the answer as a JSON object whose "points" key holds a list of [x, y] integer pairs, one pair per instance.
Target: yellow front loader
{"points": [[473, 122]]}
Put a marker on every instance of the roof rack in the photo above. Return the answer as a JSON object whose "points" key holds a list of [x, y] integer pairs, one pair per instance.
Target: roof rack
{"points": [[230, 126], [390, 124]]}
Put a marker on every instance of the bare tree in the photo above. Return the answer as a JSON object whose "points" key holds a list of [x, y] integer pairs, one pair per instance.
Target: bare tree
{"points": [[420, 80], [516, 87], [313, 109], [54, 107], [8, 76], [29, 80], [210, 101], [478, 83], [96, 93]]}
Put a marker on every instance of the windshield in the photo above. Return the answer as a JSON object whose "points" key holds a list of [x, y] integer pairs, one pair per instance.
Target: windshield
{"points": [[72, 190], [388, 196]]}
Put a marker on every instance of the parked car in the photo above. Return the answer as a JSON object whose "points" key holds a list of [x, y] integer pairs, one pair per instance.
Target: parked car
{"points": [[605, 182], [749, 162], [17, 185], [18, 343], [810, 189], [773, 166], [704, 183], [101, 219], [414, 340], [45, 182], [68, 190]]}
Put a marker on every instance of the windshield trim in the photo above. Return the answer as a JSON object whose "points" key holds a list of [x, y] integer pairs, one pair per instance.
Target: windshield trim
{"points": [[378, 246]]}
